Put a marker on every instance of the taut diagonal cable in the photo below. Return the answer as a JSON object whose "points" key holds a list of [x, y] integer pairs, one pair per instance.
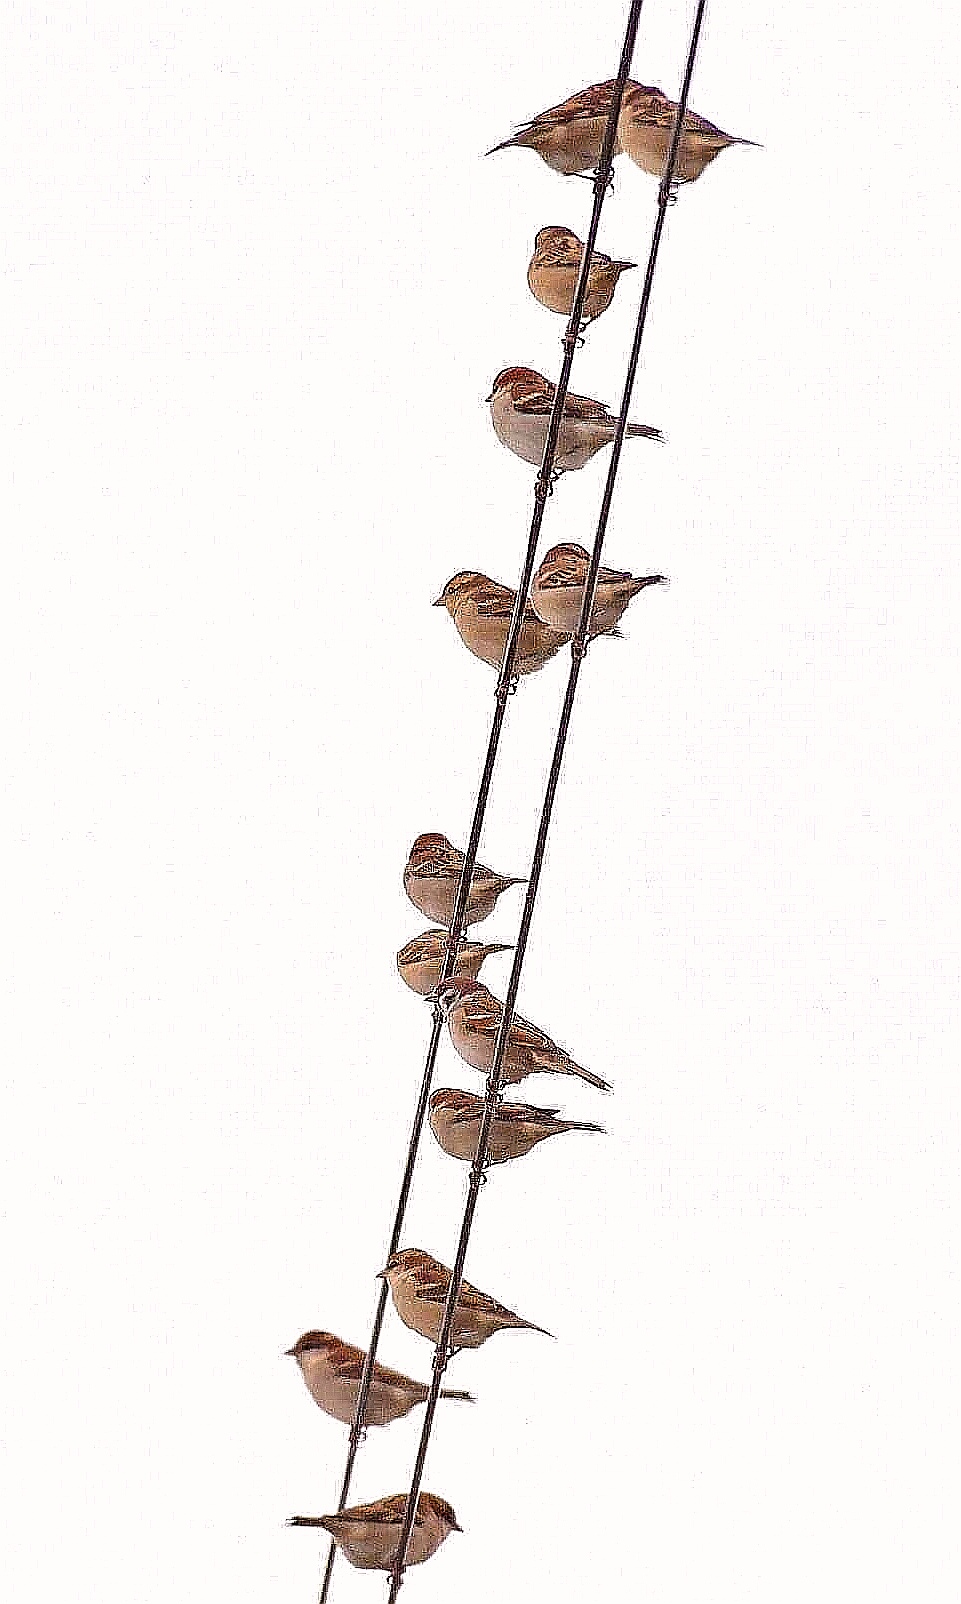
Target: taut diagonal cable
{"points": [[504, 685], [578, 652]]}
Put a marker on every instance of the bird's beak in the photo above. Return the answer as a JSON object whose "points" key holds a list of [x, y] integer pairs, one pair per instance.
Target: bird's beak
{"points": [[440, 602], [457, 1528], [290, 1353], [487, 399], [381, 1275]]}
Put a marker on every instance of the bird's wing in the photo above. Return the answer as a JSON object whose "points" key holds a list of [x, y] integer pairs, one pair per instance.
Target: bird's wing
{"points": [[591, 102], [565, 251], [584, 408], [480, 1016], [526, 1114], [651, 108], [493, 600], [564, 571], [421, 947], [385, 1512], [473, 1298], [346, 1362], [527, 1036], [437, 862]]}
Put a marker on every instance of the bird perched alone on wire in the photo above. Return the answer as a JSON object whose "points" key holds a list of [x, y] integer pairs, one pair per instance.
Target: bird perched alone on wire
{"points": [[369, 1534], [332, 1371], [645, 128], [557, 591], [419, 1285], [569, 137], [474, 1018], [419, 964], [455, 1119], [482, 611], [432, 879], [553, 272], [520, 404]]}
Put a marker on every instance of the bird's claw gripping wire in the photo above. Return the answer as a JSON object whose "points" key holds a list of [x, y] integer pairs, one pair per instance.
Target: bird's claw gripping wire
{"points": [[579, 648]]}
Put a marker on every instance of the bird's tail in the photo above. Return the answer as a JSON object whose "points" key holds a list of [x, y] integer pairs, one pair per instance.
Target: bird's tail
{"points": [[624, 267], [643, 431], [581, 1125], [528, 1325], [311, 1520], [457, 1395], [642, 582], [497, 946], [505, 144], [586, 1075]]}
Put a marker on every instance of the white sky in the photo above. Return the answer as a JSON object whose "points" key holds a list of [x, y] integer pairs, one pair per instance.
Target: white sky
{"points": [[257, 280]]}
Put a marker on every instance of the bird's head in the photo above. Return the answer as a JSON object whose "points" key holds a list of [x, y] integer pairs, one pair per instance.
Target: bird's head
{"points": [[448, 993], [400, 1262], [440, 1508], [459, 586], [507, 378], [313, 1342]]}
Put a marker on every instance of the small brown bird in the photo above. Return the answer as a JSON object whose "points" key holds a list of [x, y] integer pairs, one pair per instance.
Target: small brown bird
{"points": [[482, 609], [332, 1371], [557, 591], [432, 878], [455, 1119], [554, 268], [569, 137], [369, 1534], [520, 404], [645, 127], [419, 964], [419, 1285], [474, 1017]]}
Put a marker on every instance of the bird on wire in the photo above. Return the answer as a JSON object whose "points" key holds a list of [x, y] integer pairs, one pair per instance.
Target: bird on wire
{"points": [[432, 879], [557, 590], [369, 1534], [569, 137], [419, 1285], [645, 128], [520, 404], [332, 1370], [420, 962], [554, 268], [474, 1016], [482, 610], [455, 1120]]}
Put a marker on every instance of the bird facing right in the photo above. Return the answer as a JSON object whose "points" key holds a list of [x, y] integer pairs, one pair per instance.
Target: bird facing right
{"points": [[455, 1120], [482, 611], [369, 1534], [554, 269], [557, 591], [521, 403], [432, 879], [419, 1285]]}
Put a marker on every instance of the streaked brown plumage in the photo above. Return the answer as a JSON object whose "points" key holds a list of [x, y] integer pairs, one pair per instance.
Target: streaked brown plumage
{"points": [[474, 1018], [645, 126], [557, 591], [554, 268], [419, 964], [419, 1285], [455, 1119], [520, 404], [482, 609], [432, 878], [369, 1534], [332, 1370], [569, 136]]}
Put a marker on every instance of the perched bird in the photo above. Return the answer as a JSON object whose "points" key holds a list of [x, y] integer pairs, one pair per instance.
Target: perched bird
{"points": [[557, 591], [569, 137], [474, 1017], [482, 609], [419, 964], [645, 126], [332, 1371], [455, 1119], [554, 268], [369, 1534], [432, 878], [419, 1286], [520, 404]]}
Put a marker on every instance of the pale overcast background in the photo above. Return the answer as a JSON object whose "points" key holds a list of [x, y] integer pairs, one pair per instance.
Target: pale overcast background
{"points": [[257, 279]]}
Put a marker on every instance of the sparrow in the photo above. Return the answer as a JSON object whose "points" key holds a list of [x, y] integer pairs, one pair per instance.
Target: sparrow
{"points": [[332, 1371], [557, 590], [520, 404], [569, 137], [369, 1534], [419, 1286], [645, 126], [419, 964], [455, 1119], [482, 610], [432, 877], [474, 1017], [554, 268]]}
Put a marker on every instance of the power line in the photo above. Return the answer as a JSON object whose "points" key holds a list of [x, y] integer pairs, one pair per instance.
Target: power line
{"points": [[578, 652], [504, 687]]}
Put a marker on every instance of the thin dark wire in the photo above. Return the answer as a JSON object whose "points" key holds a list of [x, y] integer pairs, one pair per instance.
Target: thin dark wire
{"points": [[504, 686], [578, 652]]}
